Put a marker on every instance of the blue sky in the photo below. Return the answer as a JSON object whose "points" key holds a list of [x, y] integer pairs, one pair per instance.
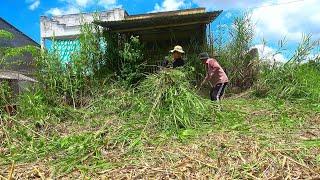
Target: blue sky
{"points": [[274, 19]]}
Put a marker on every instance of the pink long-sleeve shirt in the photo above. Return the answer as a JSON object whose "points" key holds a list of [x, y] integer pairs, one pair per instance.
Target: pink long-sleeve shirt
{"points": [[215, 73]]}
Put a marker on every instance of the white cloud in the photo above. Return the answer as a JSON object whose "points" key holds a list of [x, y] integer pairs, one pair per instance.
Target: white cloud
{"points": [[289, 19], [83, 3], [62, 11], [33, 4], [170, 5], [269, 54], [87, 3], [315, 18], [228, 15], [227, 4], [78, 3], [275, 19], [108, 4], [76, 6]]}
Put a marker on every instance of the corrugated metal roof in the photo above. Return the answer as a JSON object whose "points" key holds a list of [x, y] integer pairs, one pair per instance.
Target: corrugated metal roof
{"points": [[167, 13], [12, 75], [161, 20], [3, 20]]}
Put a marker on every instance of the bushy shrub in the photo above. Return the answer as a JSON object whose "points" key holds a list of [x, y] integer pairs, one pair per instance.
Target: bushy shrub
{"points": [[52, 78], [133, 69]]}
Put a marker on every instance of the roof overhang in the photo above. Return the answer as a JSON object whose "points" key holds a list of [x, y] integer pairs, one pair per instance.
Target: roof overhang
{"points": [[12, 75], [161, 20]]}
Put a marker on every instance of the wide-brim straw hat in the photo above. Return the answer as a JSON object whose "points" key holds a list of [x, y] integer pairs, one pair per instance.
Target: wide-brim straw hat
{"points": [[178, 49]]}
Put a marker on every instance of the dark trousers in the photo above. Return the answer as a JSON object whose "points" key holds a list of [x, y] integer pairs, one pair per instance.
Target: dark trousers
{"points": [[217, 92]]}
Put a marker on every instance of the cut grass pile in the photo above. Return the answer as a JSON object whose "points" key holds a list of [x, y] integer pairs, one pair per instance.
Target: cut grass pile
{"points": [[171, 103]]}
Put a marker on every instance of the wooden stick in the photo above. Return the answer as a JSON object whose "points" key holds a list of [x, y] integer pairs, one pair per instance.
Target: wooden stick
{"points": [[39, 173], [289, 158], [203, 163], [2, 177], [11, 171], [254, 177], [284, 162], [29, 128], [240, 155]]}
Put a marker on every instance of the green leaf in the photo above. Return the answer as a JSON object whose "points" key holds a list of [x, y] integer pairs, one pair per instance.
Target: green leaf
{"points": [[6, 35]]}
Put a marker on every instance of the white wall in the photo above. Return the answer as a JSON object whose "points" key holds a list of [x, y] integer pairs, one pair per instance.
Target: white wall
{"points": [[68, 26]]}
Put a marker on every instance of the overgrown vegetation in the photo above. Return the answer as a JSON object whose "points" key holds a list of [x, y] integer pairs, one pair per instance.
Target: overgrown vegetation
{"points": [[7, 96], [294, 79], [104, 114], [241, 64]]}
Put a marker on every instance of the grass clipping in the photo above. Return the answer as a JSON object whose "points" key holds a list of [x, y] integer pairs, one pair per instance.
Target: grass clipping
{"points": [[170, 102]]}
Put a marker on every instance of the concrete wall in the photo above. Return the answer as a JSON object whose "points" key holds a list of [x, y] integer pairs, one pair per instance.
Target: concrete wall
{"points": [[68, 26]]}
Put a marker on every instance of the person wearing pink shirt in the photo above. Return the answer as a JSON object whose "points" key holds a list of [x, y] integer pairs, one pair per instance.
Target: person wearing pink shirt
{"points": [[216, 76]]}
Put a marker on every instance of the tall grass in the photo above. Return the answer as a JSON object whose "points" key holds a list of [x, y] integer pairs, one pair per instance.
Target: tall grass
{"points": [[241, 64], [290, 82], [6, 94], [298, 78]]}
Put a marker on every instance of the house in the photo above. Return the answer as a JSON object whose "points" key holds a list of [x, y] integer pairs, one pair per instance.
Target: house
{"points": [[65, 29], [158, 31], [163, 30], [23, 64]]}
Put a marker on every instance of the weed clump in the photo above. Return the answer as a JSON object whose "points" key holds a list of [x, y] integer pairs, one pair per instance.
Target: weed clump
{"points": [[172, 103]]}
